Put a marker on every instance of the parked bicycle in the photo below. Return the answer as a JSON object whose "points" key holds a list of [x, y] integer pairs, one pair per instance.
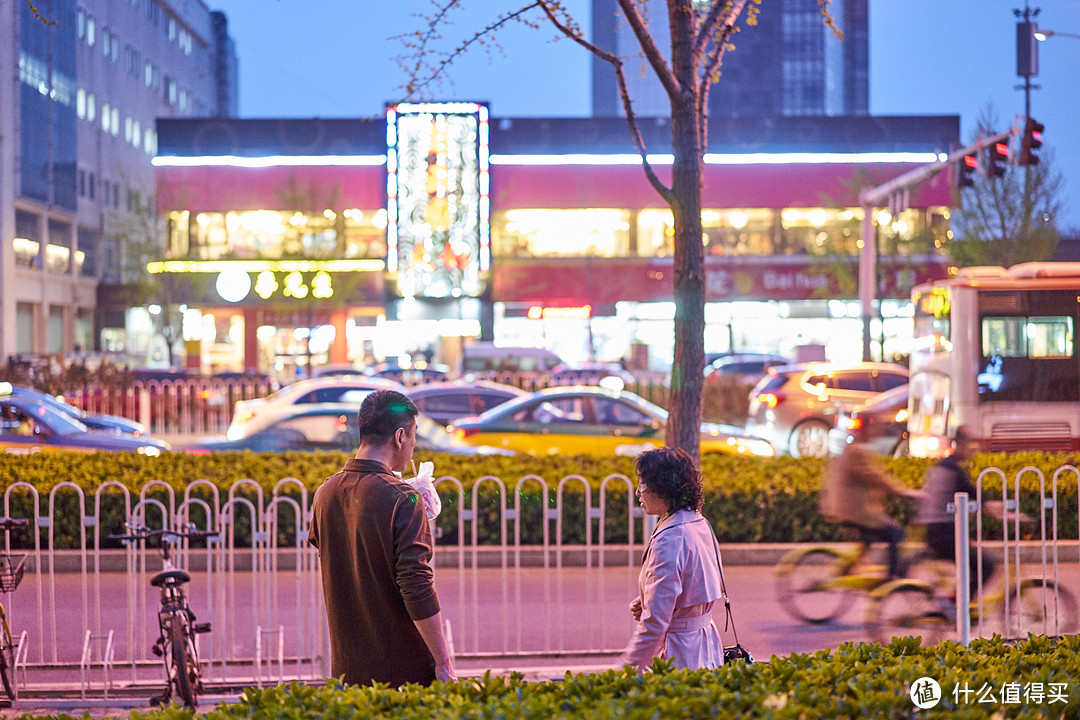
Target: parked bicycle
{"points": [[176, 644], [927, 609], [11, 573], [815, 584]]}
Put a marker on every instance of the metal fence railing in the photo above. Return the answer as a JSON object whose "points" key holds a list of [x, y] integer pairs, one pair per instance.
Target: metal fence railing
{"points": [[257, 580]]}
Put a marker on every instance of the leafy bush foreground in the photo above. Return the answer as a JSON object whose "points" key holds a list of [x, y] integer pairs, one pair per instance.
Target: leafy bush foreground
{"points": [[1032, 679]]}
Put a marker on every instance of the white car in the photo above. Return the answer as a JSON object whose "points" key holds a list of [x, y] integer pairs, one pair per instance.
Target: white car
{"points": [[251, 416]]}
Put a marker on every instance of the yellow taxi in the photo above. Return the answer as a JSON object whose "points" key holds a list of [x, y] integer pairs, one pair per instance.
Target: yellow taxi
{"points": [[28, 425], [594, 420]]}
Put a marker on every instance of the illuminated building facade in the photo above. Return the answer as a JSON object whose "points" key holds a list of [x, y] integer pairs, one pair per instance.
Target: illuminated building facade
{"points": [[333, 241]]}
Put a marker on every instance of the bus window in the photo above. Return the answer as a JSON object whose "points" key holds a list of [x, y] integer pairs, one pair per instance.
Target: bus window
{"points": [[1034, 337], [1028, 359]]}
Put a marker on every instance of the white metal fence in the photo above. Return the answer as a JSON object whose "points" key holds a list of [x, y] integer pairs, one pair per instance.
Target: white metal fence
{"points": [[257, 581], [94, 609], [1054, 595]]}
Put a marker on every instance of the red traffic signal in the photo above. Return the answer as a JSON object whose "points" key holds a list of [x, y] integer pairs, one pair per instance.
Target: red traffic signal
{"points": [[965, 171], [1031, 142], [997, 156]]}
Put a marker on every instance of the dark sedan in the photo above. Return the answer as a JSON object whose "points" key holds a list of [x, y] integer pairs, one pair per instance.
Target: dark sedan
{"points": [[881, 424], [445, 402], [30, 426], [111, 423]]}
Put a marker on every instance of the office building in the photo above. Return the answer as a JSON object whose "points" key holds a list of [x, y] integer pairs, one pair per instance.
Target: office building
{"points": [[80, 89], [790, 63]]}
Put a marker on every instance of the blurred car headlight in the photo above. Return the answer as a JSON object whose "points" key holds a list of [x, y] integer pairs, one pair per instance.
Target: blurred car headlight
{"points": [[753, 446], [149, 450]]}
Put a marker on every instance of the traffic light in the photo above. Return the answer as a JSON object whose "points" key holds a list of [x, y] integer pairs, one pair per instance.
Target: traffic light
{"points": [[965, 171], [997, 155], [1031, 142]]}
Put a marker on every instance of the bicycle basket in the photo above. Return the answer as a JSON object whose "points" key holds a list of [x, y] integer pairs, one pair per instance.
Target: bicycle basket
{"points": [[11, 572]]}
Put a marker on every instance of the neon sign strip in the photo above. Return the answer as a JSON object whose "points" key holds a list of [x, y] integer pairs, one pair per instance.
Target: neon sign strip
{"points": [[568, 159], [269, 161], [250, 266]]}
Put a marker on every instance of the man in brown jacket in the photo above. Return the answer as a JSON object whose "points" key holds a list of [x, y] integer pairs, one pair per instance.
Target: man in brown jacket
{"points": [[375, 547]]}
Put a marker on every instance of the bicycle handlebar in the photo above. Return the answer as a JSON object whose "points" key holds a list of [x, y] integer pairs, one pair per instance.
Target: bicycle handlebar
{"points": [[141, 532], [7, 523]]}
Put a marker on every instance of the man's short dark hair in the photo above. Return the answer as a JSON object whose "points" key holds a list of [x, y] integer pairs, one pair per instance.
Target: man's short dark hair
{"points": [[381, 414]]}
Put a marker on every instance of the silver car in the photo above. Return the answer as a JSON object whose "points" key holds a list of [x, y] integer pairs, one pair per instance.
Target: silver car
{"points": [[251, 416], [794, 406]]}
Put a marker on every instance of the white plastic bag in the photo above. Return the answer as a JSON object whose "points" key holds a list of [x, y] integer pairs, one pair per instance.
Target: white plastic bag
{"points": [[423, 484]]}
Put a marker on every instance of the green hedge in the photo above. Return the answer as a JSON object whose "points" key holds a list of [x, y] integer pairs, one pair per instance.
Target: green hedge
{"points": [[747, 499], [856, 681]]}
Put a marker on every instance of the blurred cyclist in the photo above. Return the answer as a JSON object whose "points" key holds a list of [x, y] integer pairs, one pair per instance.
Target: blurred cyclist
{"points": [[856, 490], [946, 478]]}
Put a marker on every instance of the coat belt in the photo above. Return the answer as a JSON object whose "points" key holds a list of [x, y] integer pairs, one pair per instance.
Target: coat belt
{"points": [[688, 624]]}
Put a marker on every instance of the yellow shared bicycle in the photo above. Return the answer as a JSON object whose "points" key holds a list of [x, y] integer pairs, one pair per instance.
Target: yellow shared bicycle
{"points": [[11, 573]]}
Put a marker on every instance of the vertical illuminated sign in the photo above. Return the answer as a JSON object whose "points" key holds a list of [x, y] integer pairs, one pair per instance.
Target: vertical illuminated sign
{"points": [[437, 206]]}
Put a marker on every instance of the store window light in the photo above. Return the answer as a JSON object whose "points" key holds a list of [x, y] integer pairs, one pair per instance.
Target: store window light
{"points": [[817, 217], [737, 220]]}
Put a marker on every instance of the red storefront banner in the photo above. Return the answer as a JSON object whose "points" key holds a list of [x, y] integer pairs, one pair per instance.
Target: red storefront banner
{"points": [[574, 282]]}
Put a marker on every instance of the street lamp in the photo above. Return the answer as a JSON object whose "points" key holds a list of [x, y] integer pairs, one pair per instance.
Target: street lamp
{"points": [[1042, 34]]}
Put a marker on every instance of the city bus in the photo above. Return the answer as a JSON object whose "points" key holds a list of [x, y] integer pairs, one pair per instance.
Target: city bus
{"points": [[994, 352]]}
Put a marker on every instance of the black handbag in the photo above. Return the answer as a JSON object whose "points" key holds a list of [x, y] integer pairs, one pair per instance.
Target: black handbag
{"points": [[736, 651]]}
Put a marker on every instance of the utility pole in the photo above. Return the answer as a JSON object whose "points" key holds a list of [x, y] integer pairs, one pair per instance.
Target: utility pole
{"points": [[1027, 52]]}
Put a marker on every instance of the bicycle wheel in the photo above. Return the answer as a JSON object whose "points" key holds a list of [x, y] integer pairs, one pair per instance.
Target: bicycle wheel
{"points": [[1046, 614], [184, 675], [803, 583], [7, 656], [907, 608]]}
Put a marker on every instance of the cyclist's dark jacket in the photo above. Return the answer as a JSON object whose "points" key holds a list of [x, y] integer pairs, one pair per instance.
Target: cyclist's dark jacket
{"points": [[946, 478], [375, 547]]}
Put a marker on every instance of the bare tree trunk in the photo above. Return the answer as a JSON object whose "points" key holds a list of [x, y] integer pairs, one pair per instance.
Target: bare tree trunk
{"points": [[684, 420]]}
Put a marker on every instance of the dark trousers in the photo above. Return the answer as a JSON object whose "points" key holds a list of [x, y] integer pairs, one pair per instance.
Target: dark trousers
{"points": [[941, 541], [890, 533]]}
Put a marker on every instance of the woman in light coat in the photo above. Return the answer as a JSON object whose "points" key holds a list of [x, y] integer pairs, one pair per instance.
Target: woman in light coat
{"points": [[680, 571]]}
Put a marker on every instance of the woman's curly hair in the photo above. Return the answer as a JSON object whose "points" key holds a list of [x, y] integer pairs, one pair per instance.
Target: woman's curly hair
{"points": [[669, 473]]}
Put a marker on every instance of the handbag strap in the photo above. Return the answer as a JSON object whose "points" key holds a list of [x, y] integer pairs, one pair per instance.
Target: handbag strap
{"points": [[729, 619]]}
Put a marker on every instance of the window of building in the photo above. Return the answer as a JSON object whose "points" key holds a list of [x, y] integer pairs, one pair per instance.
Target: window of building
{"points": [[27, 242], [171, 29], [106, 117], [115, 47], [91, 186], [106, 48], [136, 133], [556, 233], [80, 104], [91, 107], [82, 183], [127, 128], [56, 329], [150, 142], [87, 255], [114, 125], [58, 250], [91, 31], [80, 23], [24, 327]]}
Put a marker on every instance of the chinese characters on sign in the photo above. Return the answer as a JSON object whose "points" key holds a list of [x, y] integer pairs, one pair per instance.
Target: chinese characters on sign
{"points": [[926, 693], [437, 198]]}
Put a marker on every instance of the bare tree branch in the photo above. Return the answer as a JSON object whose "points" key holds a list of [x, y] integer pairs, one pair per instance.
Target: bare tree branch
{"points": [[648, 46], [38, 15], [424, 40], [624, 93]]}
